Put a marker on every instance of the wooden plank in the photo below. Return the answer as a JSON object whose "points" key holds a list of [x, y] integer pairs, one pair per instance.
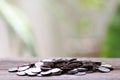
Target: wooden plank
{"points": [[5, 75]]}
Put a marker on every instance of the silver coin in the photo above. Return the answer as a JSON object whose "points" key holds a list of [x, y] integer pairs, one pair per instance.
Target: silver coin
{"points": [[39, 64], [14, 69], [74, 71], [72, 59], [46, 73], [22, 68], [35, 70], [47, 60], [103, 69], [45, 68], [30, 73], [49, 67], [80, 73], [59, 60], [22, 73], [56, 71], [107, 66]]}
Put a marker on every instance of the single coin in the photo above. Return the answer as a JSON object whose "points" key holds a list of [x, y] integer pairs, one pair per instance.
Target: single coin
{"points": [[47, 60], [30, 73], [22, 68], [80, 73], [81, 69], [107, 66], [56, 71], [60, 60], [48, 63], [72, 59], [22, 73], [74, 71], [46, 73], [39, 64], [45, 68], [14, 69], [87, 63], [30, 65], [35, 70], [103, 69]]}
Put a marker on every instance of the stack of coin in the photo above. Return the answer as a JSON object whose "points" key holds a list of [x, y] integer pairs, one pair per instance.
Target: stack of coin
{"points": [[50, 67]]}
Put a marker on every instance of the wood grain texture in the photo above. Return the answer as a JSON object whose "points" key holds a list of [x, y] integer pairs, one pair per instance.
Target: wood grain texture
{"points": [[113, 75]]}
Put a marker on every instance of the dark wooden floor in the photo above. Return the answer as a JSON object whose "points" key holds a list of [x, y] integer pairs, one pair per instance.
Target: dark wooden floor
{"points": [[7, 63]]}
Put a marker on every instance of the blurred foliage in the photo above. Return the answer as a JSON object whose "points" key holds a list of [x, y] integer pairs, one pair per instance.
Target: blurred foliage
{"points": [[18, 24], [111, 44], [87, 4], [72, 8], [81, 25]]}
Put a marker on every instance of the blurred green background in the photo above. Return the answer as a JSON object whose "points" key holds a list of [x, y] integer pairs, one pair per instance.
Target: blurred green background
{"points": [[59, 28]]}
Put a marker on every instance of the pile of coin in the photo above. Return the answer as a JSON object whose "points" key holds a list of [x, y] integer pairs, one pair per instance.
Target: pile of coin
{"points": [[50, 67]]}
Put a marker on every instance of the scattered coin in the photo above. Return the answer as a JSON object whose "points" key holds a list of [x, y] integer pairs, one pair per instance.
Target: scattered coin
{"points": [[48, 63], [46, 73], [14, 69], [47, 60], [51, 67], [73, 59], [35, 70], [107, 66], [22, 68], [60, 60], [81, 73], [39, 64], [22, 73], [82, 69], [104, 69], [45, 68], [56, 71], [74, 71], [30, 73]]}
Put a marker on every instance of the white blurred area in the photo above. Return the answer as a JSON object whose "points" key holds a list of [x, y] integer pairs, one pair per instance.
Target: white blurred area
{"points": [[54, 35]]}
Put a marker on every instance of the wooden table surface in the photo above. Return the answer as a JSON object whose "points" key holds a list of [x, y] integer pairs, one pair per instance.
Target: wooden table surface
{"points": [[7, 63]]}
